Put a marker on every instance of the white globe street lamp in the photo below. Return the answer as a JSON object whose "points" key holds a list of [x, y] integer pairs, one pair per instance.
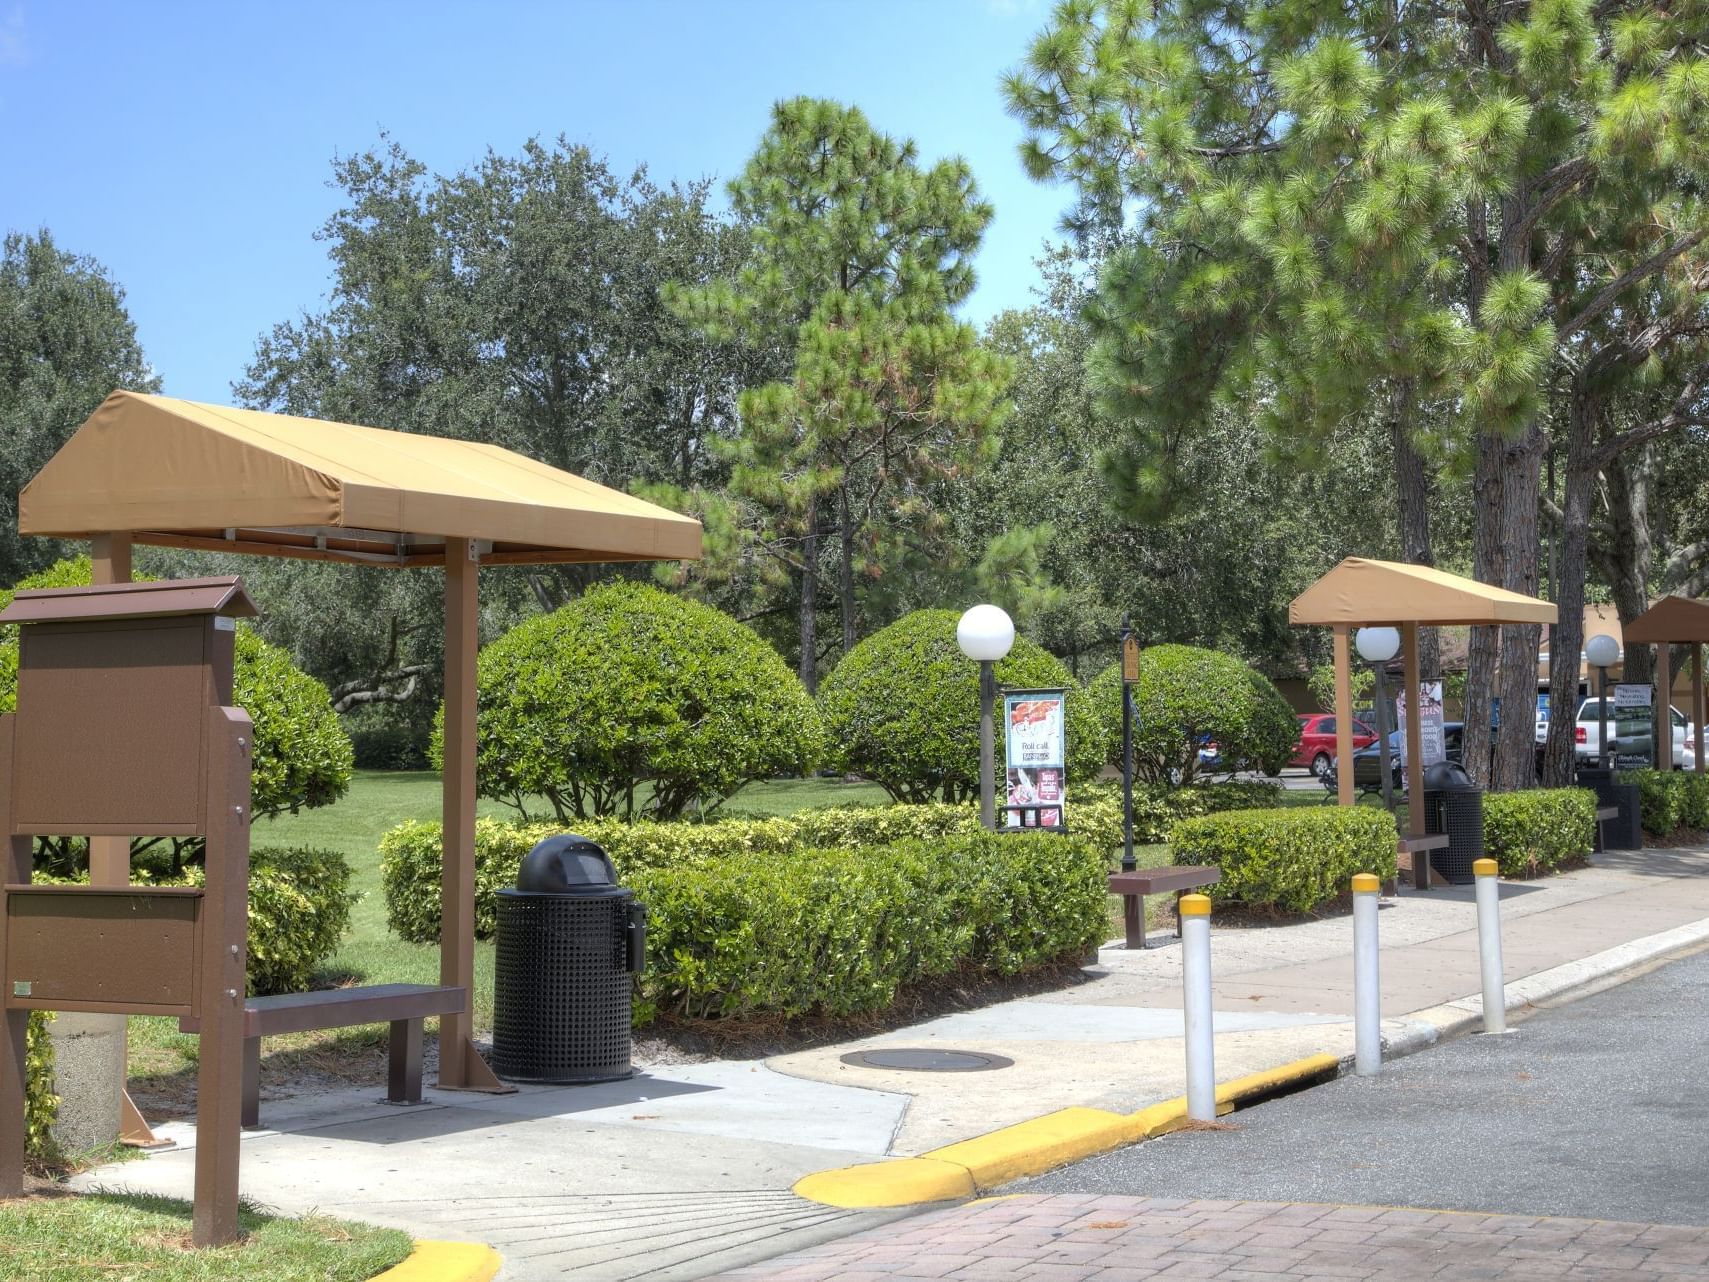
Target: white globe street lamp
{"points": [[985, 634], [1602, 652], [1376, 647]]}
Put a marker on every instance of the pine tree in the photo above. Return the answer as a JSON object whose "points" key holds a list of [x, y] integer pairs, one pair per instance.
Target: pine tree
{"points": [[1364, 205], [860, 256]]}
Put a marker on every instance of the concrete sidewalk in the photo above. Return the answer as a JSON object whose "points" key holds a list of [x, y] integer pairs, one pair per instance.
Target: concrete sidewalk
{"points": [[687, 1170]]}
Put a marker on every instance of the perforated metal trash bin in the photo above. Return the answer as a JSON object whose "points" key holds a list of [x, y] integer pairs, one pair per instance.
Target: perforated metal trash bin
{"points": [[1626, 830], [570, 941], [1454, 805]]}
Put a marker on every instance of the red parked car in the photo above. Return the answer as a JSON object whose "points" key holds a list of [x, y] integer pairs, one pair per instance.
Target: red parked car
{"points": [[1317, 741]]}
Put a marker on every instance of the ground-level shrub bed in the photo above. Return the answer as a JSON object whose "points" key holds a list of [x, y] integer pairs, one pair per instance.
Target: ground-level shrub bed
{"points": [[410, 853], [745, 920], [1291, 860], [1670, 799], [1536, 831]]}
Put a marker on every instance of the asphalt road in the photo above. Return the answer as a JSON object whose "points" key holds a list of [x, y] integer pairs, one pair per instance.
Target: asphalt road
{"points": [[1595, 1108]]}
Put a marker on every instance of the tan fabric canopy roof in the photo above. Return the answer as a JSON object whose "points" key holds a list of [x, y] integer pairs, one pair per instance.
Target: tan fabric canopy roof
{"points": [[1361, 592], [183, 474], [1674, 620]]}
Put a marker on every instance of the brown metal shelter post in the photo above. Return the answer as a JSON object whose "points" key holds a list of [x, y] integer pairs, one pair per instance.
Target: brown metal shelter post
{"points": [[1697, 701], [1664, 706], [460, 1065], [1343, 717], [110, 857]]}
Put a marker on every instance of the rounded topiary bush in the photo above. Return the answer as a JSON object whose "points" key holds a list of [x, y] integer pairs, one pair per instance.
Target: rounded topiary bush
{"points": [[633, 702], [902, 708], [302, 755], [1186, 696]]}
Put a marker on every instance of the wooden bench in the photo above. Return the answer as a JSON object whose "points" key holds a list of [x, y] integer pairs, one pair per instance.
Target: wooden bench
{"points": [[1418, 849], [403, 1006], [1134, 886]]}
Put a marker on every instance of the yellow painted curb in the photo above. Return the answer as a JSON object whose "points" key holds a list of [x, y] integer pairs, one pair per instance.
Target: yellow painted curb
{"points": [[446, 1262], [905, 1181], [1033, 1147], [1028, 1148]]}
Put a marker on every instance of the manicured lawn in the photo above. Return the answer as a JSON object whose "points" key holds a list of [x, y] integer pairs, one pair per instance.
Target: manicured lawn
{"points": [[134, 1236]]}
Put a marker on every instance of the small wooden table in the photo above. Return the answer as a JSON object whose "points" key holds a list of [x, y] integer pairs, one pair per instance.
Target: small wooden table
{"points": [[1134, 886]]}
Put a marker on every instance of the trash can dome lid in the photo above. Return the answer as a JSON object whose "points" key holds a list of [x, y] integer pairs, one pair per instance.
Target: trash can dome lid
{"points": [[1448, 776], [565, 864]]}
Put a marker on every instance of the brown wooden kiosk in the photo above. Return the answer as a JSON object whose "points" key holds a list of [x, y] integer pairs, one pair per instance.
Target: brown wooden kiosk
{"points": [[124, 725], [1359, 593], [173, 473], [1674, 620]]}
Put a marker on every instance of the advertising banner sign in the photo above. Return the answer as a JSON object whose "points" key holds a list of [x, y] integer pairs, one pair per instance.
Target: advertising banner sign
{"points": [[1036, 751], [1432, 737], [1634, 727]]}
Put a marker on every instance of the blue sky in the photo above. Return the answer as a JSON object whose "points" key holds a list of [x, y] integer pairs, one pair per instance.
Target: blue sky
{"points": [[187, 146]]}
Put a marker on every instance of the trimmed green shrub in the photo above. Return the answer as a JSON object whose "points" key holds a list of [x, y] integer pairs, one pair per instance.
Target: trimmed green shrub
{"points": [[1185, 695], [902, 709], [1294, 859], [299, 908], [838, 932], [1670, 799], [631, 701], [745, 920], [302, 757], [41, 1105], [1535, 831]]}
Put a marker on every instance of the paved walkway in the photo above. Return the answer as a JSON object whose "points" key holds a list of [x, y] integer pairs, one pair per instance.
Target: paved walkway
{"points": [[687, 1168], [1068, 1237]]}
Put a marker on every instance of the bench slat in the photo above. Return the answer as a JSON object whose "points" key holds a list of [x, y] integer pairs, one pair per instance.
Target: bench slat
{"points": [[1158, 881], [1425, 841], [342, 1008]]}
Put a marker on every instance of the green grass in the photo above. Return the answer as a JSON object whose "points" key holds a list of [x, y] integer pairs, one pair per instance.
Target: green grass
{"points": [[135, 1236]]}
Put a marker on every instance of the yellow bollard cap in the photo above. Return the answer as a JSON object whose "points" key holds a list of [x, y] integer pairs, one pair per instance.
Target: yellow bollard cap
{"points": [[1195, 905], [1366, 883], [1485, 868]]}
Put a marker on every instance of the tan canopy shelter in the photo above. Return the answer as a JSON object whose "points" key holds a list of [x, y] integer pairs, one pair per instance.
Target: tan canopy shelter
{"points": [[1674, 620], [152, 469], [1360, 593]]}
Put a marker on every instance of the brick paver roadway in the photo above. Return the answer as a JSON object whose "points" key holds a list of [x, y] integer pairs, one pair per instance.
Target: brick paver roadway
{"points": [[1089, 1238]]}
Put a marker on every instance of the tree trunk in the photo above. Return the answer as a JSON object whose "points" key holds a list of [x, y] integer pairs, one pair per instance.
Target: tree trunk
{"points": [[845, 576], [809, 663], [1625, 553], [1566, 639], [1416, 489], [1488, 566], [1516, 746]]}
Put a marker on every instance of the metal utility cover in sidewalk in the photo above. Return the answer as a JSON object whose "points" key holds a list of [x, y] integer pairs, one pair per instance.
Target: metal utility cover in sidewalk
{"points": [[927, 1061]]}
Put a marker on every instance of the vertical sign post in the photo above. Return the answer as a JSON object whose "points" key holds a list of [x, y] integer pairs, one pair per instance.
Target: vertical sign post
{"points": [[1130, 677]]}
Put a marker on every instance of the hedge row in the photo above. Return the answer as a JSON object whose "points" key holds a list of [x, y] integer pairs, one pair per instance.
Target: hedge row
{"points": [[756, 917], [41, 1105], [1670, 799], [410, 854], [1533, 832], [1295, 859]]}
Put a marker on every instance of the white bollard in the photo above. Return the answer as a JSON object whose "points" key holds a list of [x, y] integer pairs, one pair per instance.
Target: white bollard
{"points": [[1489, 945], [1195, 913], [1367, 988]]}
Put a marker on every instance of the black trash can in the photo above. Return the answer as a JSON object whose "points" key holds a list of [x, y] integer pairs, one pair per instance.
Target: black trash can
{"points": [[1626, 830], [1454, 805], [570, 941]]}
